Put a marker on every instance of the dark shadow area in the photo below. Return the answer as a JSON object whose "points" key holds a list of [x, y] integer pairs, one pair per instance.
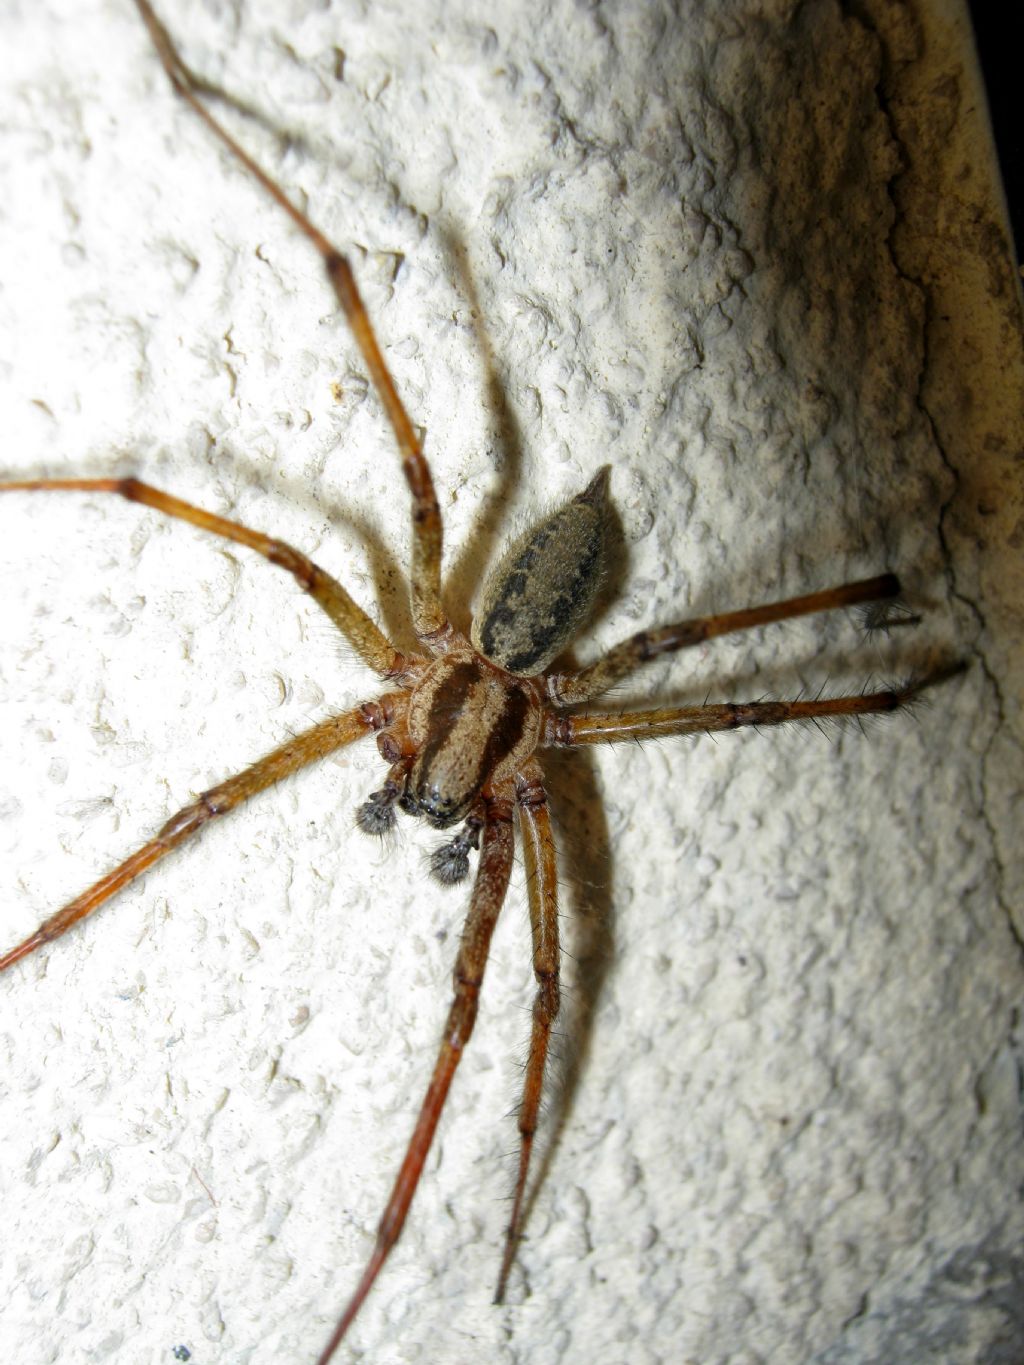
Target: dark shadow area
{"points": [[587, 907], [999, 57], [390, 600], [466, 568]]}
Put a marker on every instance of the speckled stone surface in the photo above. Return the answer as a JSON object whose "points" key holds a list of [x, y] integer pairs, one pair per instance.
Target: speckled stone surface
{"points": [[717, 247]]}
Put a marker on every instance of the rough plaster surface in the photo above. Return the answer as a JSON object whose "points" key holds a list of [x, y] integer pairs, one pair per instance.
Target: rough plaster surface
{"points": [[682, 242]]}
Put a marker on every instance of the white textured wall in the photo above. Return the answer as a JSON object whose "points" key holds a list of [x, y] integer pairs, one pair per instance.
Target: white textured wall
{"points": [[794, 1123]]}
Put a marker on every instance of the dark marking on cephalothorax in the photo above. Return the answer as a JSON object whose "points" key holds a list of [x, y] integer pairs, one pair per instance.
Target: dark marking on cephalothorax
{"points": [[447, 709], [543, 588], [471, 725], [507, 733]]}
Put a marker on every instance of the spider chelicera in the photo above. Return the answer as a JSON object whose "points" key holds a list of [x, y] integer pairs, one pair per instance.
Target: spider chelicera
{"points": [[464, 723]]}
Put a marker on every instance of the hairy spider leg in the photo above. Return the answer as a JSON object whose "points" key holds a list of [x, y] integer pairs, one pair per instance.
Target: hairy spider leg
{"points": [[429, 620], [570, 731], [489, 890], [369, 642], [568, 689], [306, 748], [542, 889]]}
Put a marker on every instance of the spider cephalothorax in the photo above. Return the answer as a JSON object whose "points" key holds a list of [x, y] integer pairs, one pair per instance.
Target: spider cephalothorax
{"points": [[466, 722]]}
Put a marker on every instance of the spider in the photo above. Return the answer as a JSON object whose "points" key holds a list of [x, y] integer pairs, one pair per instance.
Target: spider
{"points": [[465, 720]]}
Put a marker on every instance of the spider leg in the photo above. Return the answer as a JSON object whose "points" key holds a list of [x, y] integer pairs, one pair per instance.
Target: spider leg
{"points": [[568, 731], [323, 739], [370, 643], [429, 619], [542, 883], [567, 689], [488, 896]]}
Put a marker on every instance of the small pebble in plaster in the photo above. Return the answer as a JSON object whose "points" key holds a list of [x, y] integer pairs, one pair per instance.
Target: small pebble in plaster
{"points": [[212, 1322], [72, 255], [206, 1231], [164, 1192], [250, 946]]}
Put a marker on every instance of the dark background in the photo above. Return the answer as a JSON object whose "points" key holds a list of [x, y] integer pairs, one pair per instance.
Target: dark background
{"points": [[997, 30]]}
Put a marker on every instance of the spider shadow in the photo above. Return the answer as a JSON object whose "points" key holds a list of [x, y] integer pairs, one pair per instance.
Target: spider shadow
{"points": [[585, 872], [234, 472], [490, 530], [464, 572], [586, 901], [390, 580]]}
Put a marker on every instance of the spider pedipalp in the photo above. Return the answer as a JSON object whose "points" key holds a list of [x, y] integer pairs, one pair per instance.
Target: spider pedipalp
{"points": [[376, 815], [449, 863]]}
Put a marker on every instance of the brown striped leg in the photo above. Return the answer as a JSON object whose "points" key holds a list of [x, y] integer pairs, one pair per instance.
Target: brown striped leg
{"points": [[323, 739], [568, 731], [542, 885], [372, 646], [567, 689], [429, 619], [488, 896]]}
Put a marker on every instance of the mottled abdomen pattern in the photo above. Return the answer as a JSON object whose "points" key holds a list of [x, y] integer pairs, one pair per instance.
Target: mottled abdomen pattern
{"points": [[543, 588]]}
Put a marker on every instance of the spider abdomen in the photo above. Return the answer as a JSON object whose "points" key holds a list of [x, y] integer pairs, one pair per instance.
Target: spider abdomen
{"points": [[471, 725], [543, 588]]}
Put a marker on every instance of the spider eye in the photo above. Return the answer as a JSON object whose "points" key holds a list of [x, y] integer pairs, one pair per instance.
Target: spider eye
{"points": [[440, 808]]}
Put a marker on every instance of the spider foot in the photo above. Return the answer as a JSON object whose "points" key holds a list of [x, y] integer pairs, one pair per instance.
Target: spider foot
{"points": [[449, 863], [377, 813], [885, 616]]}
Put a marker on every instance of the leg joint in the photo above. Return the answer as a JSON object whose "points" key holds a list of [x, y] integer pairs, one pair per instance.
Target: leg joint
{"points": [[377, 715], [559, 732], [498, 809], [547, 1003], [530, 793], [286, 557]]}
